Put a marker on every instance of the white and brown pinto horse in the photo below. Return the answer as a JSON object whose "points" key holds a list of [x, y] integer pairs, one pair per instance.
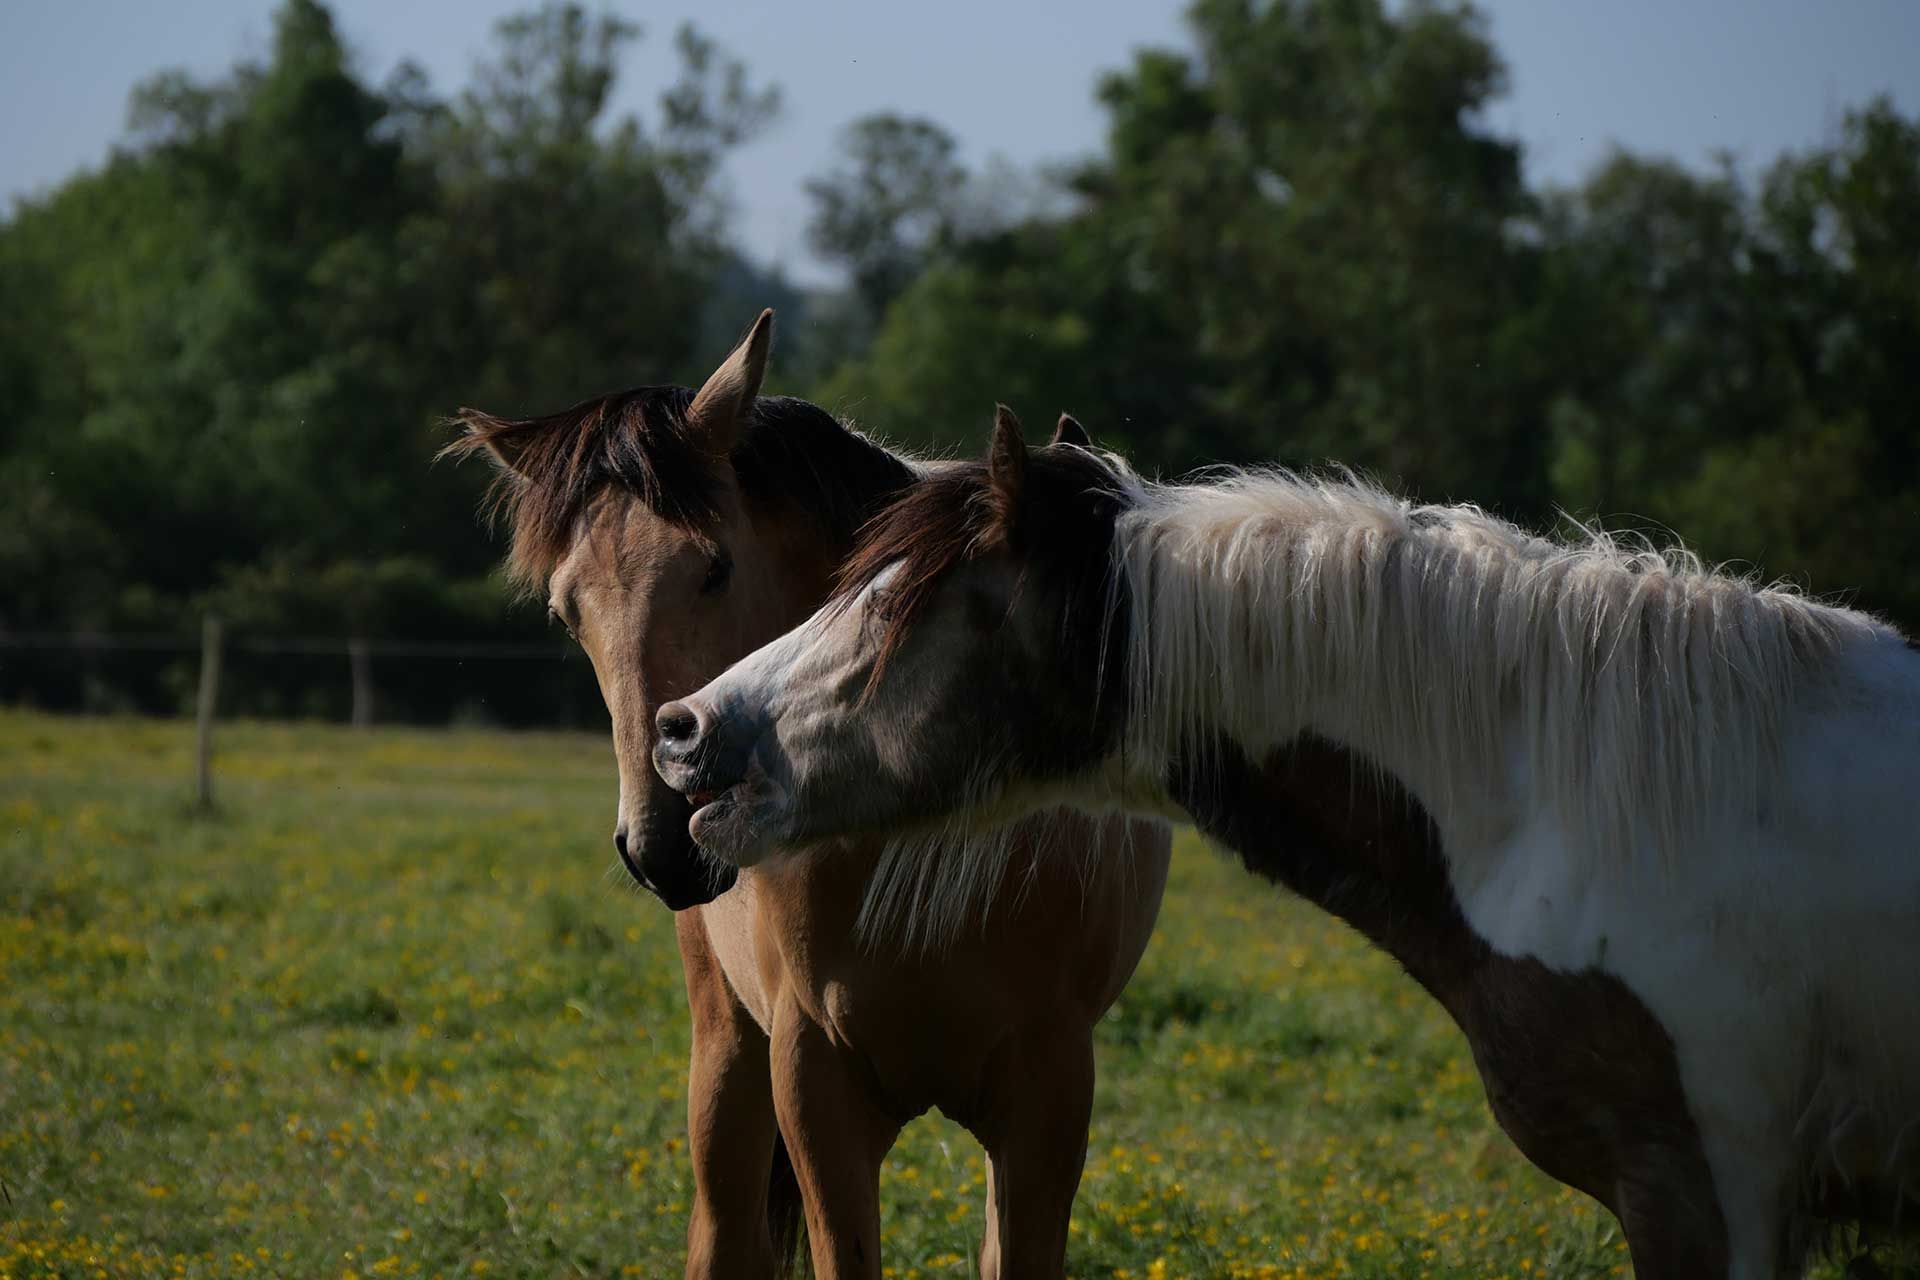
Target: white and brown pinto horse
{"points": [[1649, 833], [672, 532]]}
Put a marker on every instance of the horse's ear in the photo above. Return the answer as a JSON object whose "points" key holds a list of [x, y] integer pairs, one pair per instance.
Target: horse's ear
{"points": [[721, 407], [1007, 467], [1069, 431], [499, 438]]}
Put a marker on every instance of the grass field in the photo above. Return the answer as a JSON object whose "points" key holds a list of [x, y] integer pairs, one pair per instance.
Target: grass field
{"points": [[385, 1013]]}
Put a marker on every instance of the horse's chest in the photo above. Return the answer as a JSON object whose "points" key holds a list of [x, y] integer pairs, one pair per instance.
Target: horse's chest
{"points": [[730, 921]]}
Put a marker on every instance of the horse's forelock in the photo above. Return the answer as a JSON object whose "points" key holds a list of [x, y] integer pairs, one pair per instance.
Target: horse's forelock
{"points": [[921, 537], [959, 513], [640, 442], [556, 465]]}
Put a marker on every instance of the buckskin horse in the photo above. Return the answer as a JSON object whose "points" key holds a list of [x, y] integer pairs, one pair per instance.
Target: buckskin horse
{"points": [[671, 531], [1646, 831]]}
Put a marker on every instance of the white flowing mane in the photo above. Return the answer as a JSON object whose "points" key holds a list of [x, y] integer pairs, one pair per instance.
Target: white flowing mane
{"points": [[1646, 690]]}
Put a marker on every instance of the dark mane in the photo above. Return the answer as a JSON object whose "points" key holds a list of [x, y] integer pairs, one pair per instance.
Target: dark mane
{"points": [[1061, 528], [639, 442]]}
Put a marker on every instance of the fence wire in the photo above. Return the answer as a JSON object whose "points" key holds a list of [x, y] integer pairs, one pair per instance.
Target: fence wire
{"points": [[316, 646]]}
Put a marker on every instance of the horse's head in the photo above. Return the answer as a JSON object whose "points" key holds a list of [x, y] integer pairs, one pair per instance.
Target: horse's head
{"points": [[667, 549], [968, 666]]}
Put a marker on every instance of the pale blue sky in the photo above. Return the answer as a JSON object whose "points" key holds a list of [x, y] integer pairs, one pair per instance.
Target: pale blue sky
{"points": [[1013, 77]]}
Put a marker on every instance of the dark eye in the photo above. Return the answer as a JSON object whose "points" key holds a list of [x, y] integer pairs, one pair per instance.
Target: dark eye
{"points": [[553, 615], [719, 573]]}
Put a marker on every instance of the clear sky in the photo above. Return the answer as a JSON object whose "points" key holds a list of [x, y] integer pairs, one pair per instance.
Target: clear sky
{"points": [[1681, 78]]}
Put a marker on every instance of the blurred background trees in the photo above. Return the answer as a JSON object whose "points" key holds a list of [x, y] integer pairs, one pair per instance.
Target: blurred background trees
{"points": [[225, 355]]}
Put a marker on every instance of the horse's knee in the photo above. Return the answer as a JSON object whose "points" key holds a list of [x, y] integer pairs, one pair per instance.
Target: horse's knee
{"points": [[1037, 1083]]}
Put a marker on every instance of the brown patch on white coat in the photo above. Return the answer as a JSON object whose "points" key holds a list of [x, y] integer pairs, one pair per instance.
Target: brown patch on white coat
{"points": [[956, 620]]}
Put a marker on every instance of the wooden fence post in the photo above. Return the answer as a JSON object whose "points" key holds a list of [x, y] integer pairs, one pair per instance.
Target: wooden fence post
{"points": [[209, 702], [361, 660]]}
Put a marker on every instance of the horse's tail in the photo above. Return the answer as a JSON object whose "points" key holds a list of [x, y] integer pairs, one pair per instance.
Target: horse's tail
{"points": [[786, 1216]]}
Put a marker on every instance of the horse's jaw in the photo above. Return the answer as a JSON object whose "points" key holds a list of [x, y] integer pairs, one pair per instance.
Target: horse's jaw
{"points": [[1114, 786], [743, 824], [750, 820]]}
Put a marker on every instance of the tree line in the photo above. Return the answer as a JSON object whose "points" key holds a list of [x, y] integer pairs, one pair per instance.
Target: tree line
{"points": [[227, 353]]}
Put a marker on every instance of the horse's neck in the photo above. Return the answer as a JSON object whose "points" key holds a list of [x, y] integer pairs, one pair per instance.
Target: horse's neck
{"points": [[813, 544], [874, 476], [1336, 830], [1635, 704], [870, 470], [1240, 656]]}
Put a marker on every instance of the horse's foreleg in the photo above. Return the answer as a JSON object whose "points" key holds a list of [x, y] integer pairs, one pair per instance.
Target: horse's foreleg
{"points": [[836, 1137], [731, 1130], [1033, 1123], [1671, 1216]]}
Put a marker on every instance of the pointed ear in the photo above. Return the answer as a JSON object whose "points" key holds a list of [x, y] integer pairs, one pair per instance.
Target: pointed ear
{"points": [[498, 438], [1007, 468], [721, 407], [1069, 431]]}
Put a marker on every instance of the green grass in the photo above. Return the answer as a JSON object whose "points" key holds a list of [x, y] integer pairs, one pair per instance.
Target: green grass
{"points": [[385, 1013]]}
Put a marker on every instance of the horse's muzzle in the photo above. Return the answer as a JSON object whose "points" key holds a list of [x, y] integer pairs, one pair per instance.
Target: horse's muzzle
{"points": [[694, 754], [668, 864]]}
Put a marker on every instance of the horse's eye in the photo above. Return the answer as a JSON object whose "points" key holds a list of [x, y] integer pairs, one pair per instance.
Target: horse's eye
{"points": [[884, 608], [719, 573], [553, 615]]}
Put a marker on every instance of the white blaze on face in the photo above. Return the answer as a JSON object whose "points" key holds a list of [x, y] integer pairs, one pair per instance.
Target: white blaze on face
{"points": [[749, 689], [783, 695], [783, 674]]}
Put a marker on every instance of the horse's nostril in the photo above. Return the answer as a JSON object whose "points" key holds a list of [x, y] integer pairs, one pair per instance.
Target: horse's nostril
{"points": [[677, 723], [620, 841]]}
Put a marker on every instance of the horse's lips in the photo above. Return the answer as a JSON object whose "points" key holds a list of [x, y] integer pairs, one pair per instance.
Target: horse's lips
{"points": [[717, 818], [709, 807], [740, 823]]}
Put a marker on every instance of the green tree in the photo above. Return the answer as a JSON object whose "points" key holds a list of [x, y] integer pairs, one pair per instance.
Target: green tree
{"points": [[189, 283], [1669, 338], [577, 246], [1824, 486], [1733, 357], [1299, 244], [888, 206], [231, 348], [564, 251]]}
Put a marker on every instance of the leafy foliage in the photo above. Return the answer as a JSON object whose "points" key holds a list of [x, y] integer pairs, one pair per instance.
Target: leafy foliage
{"points": [[231, 347], [1303, 244], [239, 338], [883, 216]]}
